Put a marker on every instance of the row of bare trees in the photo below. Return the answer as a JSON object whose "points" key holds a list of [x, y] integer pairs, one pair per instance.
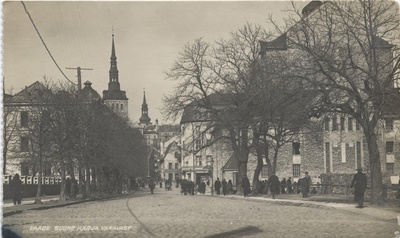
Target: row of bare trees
{"points": [[342, 58], [73, 133]]}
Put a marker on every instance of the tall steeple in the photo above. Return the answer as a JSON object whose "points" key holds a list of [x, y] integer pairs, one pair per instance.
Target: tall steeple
{"points": [[145, 119], [113, 84], [114, 97]]}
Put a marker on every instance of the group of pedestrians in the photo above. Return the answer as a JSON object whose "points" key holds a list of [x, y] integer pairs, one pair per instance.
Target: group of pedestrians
{"points": [[227, 187]]}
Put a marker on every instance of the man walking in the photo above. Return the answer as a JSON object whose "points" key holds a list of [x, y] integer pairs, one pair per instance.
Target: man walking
{"points": [[217, 186], [245, 186], [360, 185], [274, 185], [224, 186]]}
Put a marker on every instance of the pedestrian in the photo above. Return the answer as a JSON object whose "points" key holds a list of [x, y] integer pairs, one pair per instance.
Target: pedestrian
{"points": [[304, 185], [16, 189], [289, 185], [283, 186], [151, 185], [265, 190], [203, 187], [217, 186], [160, 184], [224, 186], [67, 188], [245, 185], [230, 187], [360, 185], [309, 181], [274, 185]]}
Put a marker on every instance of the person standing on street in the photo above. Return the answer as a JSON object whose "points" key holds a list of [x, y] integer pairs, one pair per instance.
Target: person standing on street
{"points": [[230, 187], [224, 186], [360, 185], [16, 189], [274, 185], [68, 188], [289, 185], [151, 185], [217, 186], [245, 186], [305, 185]]}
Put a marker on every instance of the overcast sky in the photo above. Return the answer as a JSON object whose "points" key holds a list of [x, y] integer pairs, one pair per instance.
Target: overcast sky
{"points": [[148, 37]]}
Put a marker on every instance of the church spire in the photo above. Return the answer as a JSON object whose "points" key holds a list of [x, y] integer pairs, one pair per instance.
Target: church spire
{"points": [[145, 119], [113, 83]]}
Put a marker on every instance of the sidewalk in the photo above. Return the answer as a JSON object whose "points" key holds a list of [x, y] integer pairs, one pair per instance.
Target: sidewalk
{"points": [[48, 202], [385, 213]]}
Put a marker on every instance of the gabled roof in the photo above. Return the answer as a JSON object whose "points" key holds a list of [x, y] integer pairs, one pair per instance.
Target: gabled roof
{"points": [[231, 164], [197, 111], [30, 94], [170, 145]]}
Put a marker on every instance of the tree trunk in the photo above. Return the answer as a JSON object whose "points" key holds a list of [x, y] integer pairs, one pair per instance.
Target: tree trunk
{"points": [[82, 182], [62, 191], [275, 159], [87, 183], [375, 167], [38, 199]]}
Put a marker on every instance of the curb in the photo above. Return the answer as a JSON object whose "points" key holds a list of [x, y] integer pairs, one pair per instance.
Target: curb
{"points": [[45, 207], [311, 204]]}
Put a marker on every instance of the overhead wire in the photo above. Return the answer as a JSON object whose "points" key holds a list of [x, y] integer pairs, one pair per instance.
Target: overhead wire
{"points": [[48, 51]]}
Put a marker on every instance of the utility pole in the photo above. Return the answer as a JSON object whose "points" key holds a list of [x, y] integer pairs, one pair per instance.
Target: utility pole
{"points": [[79, 75]]}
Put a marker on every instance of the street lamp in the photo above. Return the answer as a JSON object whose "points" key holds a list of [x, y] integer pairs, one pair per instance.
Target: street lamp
{"points": [[210, 165]]}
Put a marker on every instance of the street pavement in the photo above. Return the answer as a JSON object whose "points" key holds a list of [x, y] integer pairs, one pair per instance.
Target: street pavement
{"points": [[169, 214]]}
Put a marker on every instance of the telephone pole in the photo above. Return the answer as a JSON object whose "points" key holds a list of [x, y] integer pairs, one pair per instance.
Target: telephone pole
{"points": [[79, 75]]}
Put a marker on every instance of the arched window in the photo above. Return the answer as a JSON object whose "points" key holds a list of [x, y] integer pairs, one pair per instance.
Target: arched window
{"points": [[112, 106], [122, 106]]}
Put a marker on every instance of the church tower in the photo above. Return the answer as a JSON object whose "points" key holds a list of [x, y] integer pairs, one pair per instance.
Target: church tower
{"points": [[144, 119], [114, 98]]}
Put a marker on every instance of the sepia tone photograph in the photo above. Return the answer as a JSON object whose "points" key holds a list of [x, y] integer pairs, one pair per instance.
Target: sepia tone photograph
{"points": [[212, 119]]}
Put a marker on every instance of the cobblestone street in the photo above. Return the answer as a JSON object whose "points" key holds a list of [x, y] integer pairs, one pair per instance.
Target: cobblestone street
{"points": [[169, 214]]}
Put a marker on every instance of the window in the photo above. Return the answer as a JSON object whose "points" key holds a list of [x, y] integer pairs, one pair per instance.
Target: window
{"points": [[112, 106], [389, 124], [169, 165], [176, 176], [334, 124], [24, 144], [327, 124], [296, 170], [198, 160], [357, 126], [170, 177], [389, 147], [176, 166], [197, 144], [390, 168], [24, 168], [24, 119], [122, 107], [264, 171], [350, 123], [296, 148], [342, 123]]}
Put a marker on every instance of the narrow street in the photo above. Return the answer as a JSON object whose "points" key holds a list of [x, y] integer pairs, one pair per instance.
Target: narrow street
{"points": [[169, 214]]}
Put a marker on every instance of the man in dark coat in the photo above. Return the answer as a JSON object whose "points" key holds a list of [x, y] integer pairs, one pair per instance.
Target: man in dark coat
{"points": [[289, 185], [245, 186], [360, 184], [68, 188], [274, 185], [217, 186], [16, 189], [224, 186]]}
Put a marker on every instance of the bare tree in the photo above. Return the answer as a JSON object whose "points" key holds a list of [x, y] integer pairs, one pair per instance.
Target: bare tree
{"points": [[347, 51]]}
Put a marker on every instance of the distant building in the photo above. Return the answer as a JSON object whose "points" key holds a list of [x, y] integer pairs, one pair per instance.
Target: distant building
{"points": [[113, 97]]}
